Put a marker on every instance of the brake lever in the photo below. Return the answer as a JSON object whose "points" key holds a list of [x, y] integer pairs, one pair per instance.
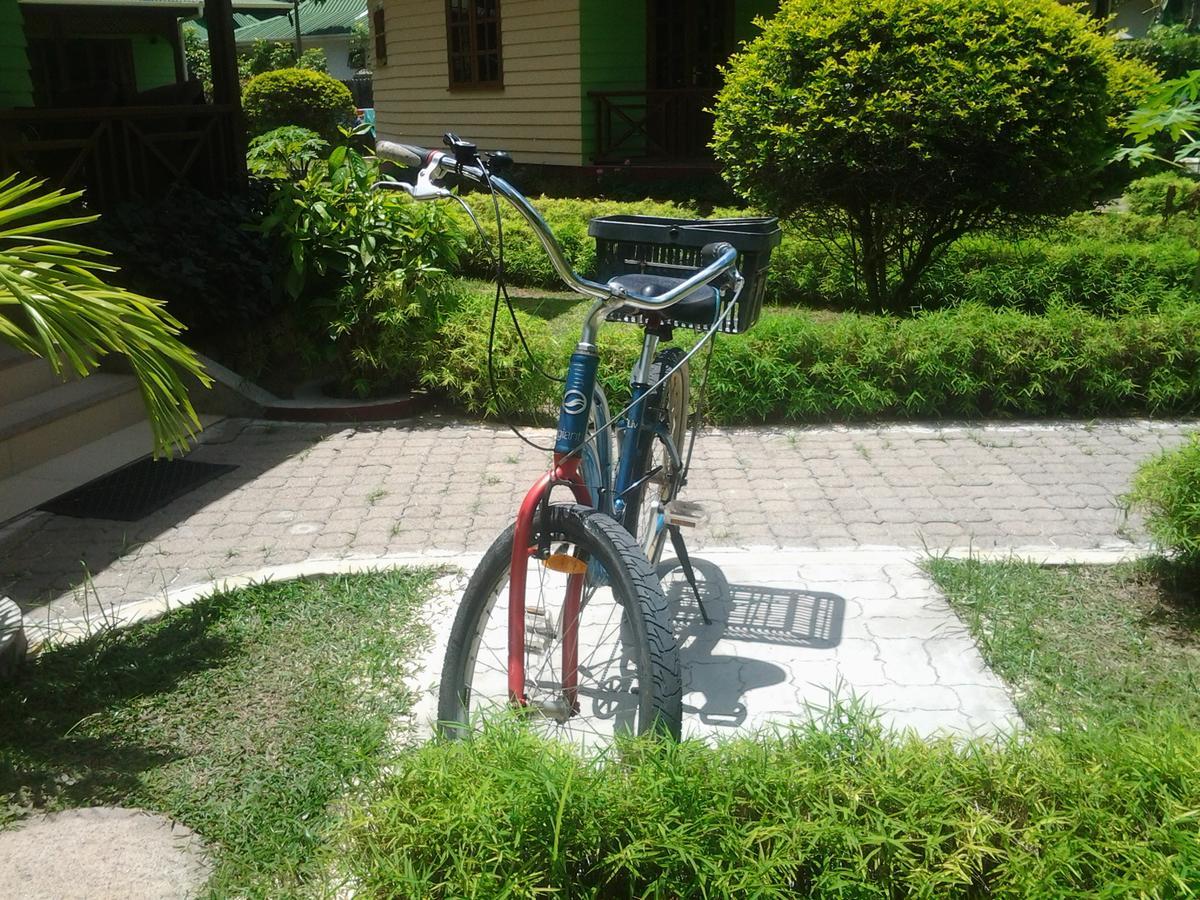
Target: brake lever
{"points": [[424, 189]]}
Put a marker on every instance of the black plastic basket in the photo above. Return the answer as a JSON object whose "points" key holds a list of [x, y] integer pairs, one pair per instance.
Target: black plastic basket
{"points": [[671, 247]]}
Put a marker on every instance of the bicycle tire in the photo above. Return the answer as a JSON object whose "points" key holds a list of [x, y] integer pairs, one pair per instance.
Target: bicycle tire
{"points": [[637, 690], [668, 404]]}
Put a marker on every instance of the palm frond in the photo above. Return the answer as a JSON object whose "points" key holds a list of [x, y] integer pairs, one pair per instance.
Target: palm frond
{"points": [[55, 304]]}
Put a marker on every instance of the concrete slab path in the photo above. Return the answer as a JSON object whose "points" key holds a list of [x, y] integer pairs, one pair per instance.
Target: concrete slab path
{"points": [[793, 629]]}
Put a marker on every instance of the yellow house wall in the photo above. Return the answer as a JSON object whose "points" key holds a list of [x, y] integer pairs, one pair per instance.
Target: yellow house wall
{"points": [[536, 115]]}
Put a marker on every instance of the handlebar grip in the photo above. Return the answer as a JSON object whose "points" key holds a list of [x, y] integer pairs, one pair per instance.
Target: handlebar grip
{"points": [[405, 154]]}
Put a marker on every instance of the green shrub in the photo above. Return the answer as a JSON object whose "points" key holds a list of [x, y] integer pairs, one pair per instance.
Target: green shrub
{"points": [[312, 100], [835, 809], [199, 253], [1171, 49], [525, 261], [455, 361], [269, 56], [1149, 196], [370, 265], [1100, 273], [891, 127], [1168, 489], [1109, 264], [966, 362]]}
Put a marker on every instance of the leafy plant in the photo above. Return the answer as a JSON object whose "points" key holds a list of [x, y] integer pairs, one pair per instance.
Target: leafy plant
{"points": [[56, 304], [285, 153], [1166, 194], [1170, 113], [269, 56], [1110, 264], [887, 129], [199, 253], [312, 100], [1168, 489], [369, 264], [199, 62]]}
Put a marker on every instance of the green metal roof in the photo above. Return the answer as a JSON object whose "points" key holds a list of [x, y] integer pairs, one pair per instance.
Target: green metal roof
{"points": [[316, 17], [185, 6]]}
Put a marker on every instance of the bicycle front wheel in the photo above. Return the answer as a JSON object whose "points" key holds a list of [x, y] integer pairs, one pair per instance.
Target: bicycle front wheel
{"points": [[600, 657]]}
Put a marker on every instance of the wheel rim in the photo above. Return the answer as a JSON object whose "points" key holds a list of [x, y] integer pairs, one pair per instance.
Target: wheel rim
{"points": [[608, 699]]}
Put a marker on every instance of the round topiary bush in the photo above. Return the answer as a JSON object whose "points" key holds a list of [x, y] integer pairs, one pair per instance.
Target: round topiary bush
{"points": [[313, 100], [891, 127]]}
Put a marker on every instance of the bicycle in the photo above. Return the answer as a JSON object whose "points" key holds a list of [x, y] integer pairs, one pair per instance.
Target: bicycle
{"points": [[517, 640]]}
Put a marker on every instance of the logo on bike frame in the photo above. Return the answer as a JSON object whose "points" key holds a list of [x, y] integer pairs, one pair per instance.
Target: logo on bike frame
{"points": [[574, 403]]}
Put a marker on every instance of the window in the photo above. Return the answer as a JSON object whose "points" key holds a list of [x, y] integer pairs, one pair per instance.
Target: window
{"points": [[380, 37], [473, 42]]}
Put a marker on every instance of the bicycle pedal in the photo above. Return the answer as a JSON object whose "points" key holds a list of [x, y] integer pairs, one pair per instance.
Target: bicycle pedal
{"points": [[536, 644], [542, 630], [685, 513]]}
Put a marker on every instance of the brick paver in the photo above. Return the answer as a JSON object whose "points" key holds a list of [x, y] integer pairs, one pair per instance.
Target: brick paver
{"points": [[304, 491]]}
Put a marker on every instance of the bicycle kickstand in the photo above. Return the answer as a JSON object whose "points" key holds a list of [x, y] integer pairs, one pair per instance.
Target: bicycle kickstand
{"points": [[689, 573]]}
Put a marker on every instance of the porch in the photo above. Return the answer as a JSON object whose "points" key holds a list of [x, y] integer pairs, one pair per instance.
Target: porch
{"points": [[118, 154], [104, 102]]}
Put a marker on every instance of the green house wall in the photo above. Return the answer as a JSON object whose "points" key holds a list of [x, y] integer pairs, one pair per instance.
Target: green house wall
{"points": [[745, 12], [15, 86], [153, 61], [612, 49], [612, 54]]}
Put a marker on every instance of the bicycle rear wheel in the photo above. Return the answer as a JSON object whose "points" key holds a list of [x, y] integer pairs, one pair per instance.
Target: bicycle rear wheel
{"points": [[668, 405], [598, 592]]}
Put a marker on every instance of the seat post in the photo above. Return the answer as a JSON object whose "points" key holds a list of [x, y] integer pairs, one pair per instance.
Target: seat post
{"points": [[643, 368]]}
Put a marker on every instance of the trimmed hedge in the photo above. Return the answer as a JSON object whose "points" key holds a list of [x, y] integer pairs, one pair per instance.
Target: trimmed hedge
{"points": [[525, 260], [835, 809], [1109, 264], [967, 362]]}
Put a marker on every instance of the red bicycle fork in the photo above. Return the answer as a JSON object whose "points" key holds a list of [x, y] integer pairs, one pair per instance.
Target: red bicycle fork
{"points": [[565, 471]]}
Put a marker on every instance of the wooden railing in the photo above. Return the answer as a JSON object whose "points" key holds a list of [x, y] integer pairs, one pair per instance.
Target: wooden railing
{"points": [[653, 126], [122, 153]]}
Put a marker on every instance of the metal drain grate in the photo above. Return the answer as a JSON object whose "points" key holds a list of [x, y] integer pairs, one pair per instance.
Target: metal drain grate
{"points": [[135, 491]]}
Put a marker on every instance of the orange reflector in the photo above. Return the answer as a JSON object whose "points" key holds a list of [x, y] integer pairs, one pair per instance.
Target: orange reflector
{"points": [[566, 563]]}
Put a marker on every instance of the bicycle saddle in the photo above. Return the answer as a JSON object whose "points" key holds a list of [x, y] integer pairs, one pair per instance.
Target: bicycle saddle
{"points": [[701, 308]]}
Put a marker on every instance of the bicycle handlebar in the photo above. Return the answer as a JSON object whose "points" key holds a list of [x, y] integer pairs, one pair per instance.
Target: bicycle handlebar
{"points": [[435, 163], [405, 154]]}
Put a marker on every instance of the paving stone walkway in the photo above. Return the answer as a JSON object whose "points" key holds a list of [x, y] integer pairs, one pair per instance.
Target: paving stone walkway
{"points": [[309, 491], [809, 558]]}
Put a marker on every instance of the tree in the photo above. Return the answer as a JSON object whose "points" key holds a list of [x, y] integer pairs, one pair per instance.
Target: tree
{"points": [[889, 128], [54, 303]]}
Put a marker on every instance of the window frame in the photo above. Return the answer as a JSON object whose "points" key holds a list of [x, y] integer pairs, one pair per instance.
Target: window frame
{"points": [[474, 53], [379, 36]]}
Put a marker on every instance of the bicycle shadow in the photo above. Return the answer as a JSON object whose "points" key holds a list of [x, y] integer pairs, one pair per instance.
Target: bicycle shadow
{"points": [[746, 614]]}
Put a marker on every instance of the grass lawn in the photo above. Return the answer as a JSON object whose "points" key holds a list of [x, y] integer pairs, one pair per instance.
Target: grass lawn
{"points": [[1100, 797], [1084, 645], [248, 716]]}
